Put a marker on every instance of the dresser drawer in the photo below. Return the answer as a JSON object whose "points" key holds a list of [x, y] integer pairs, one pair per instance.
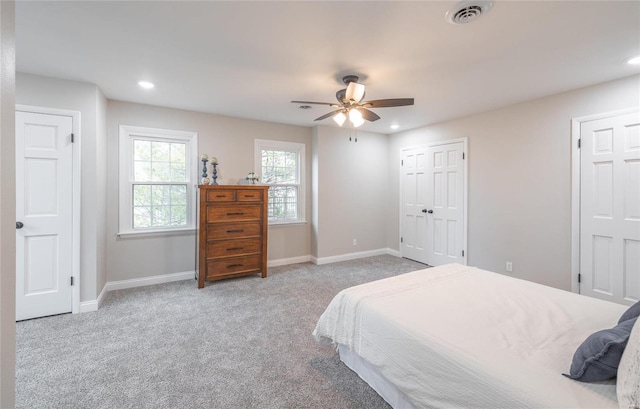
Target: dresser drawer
{"points": [[234, 265], [223, 231], [226, 248], [221, 195], [228, 213], [249, 196]]}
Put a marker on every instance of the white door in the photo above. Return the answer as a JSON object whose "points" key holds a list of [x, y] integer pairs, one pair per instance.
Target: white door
{"points": [[445, 213], [44, 225], [610, 208], [433, 204], [413, 242]]}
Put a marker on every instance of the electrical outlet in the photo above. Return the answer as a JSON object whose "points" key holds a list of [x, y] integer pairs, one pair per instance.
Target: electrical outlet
{"points": [[509, 266], [355, 242]]}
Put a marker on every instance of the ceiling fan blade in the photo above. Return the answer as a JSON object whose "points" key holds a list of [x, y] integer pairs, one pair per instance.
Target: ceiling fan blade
{"points": [[368, 115], [355, 92], [386, 103], [329, 115], [317, 103]]}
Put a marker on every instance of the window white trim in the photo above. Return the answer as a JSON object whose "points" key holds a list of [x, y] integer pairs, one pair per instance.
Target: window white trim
{"points": [[127, 134], [300, 150]]}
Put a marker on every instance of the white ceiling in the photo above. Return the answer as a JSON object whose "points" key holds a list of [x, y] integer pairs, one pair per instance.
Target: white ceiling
{"points": [[249, 59]]}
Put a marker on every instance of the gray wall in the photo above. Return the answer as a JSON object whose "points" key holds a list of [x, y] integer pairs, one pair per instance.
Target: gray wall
{"points": [[7, 206], [519, 179], [350, 191], [88, 100], [231, 140]]}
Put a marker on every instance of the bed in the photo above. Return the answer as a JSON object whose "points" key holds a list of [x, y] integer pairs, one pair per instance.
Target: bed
{"points": [[458, 336]]}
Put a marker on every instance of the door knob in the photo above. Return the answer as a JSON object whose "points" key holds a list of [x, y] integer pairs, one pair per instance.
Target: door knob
{"points": [[424, 210], [19, 225], [429, 211]]}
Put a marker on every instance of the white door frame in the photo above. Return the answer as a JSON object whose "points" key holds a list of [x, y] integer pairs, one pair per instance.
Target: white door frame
{"points": [[576, 124], [464, 190], [76, 197]]}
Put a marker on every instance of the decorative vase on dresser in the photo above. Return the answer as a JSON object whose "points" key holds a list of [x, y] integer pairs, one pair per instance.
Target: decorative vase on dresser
{"points": [[232, 232]]}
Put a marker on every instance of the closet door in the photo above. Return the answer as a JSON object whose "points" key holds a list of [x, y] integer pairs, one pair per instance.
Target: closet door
{"points": [[610, 208]]}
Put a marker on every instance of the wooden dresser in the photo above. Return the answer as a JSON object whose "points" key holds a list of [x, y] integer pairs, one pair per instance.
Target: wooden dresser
{"points": [[232, 236]]}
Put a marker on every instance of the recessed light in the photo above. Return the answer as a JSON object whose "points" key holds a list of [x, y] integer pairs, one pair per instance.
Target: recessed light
{"points": [[146, 84], [635, 60], [395, 126]]}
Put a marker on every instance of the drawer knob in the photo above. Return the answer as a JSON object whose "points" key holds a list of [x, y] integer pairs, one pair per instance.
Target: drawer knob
{"points": [[235, 248], [235, 231], [234, 265], [235, 213], [220, 196]]}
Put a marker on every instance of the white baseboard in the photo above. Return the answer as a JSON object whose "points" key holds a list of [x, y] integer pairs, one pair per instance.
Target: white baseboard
{"points": [[354, 256], [290, 260], [93, 305], [394, 253], [140, 282], [88, 306]]}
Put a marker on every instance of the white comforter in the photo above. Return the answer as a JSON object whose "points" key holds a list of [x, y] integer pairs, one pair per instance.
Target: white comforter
{"points": [[456, 336]]}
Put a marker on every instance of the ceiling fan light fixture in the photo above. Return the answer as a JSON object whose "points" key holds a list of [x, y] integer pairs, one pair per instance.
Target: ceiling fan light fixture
{"points": [[355, 92], [355, 117], [340, 118]]}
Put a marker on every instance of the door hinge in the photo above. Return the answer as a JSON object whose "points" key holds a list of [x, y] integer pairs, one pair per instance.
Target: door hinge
{"points": [[579, 277], [462, 155], [72, 138], [401, 162], [462, 253], [401, 240], [579, 143], [71, 280]]}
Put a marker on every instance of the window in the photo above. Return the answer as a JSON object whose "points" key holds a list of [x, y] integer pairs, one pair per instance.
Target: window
{"points": [[157, 178], [281, 166]]}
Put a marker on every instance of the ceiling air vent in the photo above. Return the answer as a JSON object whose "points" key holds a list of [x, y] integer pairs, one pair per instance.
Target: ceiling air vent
{"points": [[467, 11]]}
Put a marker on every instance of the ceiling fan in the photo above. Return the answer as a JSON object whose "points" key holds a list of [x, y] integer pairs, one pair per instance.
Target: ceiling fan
{"points": [[351, 105]]}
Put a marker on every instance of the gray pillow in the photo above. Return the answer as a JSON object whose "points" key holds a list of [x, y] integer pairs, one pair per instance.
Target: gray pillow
{"points": [[632, 312], [598, 357]]}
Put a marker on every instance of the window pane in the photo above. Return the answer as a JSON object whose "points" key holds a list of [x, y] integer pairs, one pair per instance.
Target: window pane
{"points": [[279, 167], [178, 172], [142, 150], [141, 195], [161, 216], [178, 195], [142, 171], [178, 215], [141, 217], [283, 203], [161, 195], [161, 172], [178, 152], [161, 151], [159, 206]]}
